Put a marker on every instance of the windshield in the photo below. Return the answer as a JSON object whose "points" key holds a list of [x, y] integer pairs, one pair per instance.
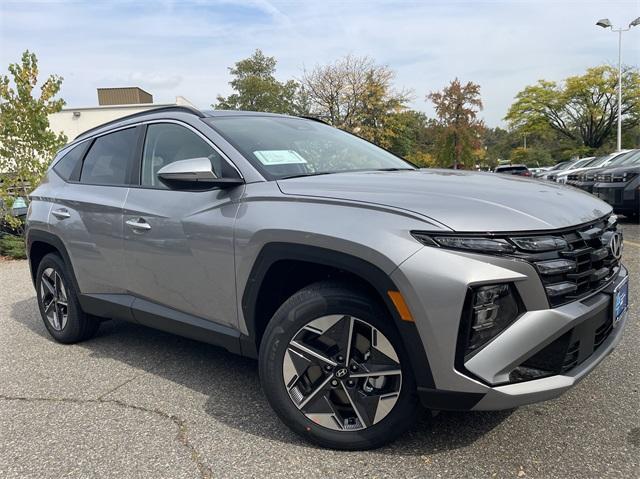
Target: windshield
{"points": [[593, 162], [281, 147], [580, 163], [629, 157], [564, 166]]}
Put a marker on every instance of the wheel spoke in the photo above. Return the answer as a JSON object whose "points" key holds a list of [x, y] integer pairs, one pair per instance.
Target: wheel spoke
{"points": [[348, 342], [48, 306], [354, 407], [313, 393], [48, 285], [310, 352], [377, 373]]}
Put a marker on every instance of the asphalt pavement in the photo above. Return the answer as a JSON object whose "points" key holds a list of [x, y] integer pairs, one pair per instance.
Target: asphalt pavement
{"points": [[134, 402]]}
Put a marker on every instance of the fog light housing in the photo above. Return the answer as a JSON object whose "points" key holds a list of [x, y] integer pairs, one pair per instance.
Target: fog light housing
{"points": [[491, 309]]}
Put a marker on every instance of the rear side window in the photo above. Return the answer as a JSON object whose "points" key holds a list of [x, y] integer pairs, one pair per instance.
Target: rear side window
{"points": [[69, 165], [109, 159]]}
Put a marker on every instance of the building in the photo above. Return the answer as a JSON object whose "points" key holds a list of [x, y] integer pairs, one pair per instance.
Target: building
{"points": [[113, 103]]}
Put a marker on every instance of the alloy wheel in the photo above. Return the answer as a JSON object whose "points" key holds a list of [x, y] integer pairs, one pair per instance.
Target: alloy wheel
{"points": [[342, 373], [53, 294]]}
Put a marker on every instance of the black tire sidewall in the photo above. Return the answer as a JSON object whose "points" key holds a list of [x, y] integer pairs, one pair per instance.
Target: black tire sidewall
{"points": [[313, 302], [74, 330]]}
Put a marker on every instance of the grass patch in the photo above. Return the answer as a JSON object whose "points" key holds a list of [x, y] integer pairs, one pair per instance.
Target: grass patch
{"points": [[12, 246]]}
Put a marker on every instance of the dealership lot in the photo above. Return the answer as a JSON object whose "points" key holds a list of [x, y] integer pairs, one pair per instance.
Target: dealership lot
{"points": [[134, 402]]}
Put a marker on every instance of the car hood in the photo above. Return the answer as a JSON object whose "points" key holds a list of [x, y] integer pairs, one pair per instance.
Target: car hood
{"points": [[462, 201]]}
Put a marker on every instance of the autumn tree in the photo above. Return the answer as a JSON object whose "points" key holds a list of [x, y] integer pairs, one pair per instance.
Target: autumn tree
{"points": [[457, 107], [582, 108], [357, 95], [256, 88], [27, 144]]}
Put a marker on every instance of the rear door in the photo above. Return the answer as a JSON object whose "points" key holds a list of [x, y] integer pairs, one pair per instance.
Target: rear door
{"points": [[87, 212], [179, 244]]}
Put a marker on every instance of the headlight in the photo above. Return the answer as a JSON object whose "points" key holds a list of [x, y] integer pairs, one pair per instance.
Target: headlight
{"points": [[485, 245], [490, 311], [540, 243]]}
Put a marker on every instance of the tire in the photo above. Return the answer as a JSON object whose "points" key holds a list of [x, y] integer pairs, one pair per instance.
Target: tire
{"points": [[344, 412], [58, 303]]}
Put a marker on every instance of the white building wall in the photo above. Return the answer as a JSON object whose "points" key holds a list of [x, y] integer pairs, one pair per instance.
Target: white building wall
{"points": [[73, 121]]}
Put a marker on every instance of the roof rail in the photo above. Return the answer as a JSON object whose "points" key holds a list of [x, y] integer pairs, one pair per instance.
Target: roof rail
{"points": [[179, 108]]}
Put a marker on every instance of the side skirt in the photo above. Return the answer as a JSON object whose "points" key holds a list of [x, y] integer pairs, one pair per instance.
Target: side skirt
{"points": [[147, 313]]}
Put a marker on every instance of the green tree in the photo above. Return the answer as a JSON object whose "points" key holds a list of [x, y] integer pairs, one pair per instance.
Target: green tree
{"points": [[256, 88], [356, 95], [27, 144], [532, 157], [457, 107], [582, 109]]}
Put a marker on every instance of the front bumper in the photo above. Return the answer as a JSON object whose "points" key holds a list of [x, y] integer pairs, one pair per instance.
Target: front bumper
{"points": [[435, 282]]}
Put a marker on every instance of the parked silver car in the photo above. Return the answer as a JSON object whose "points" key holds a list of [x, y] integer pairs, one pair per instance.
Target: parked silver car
{"points": [[363, 285]]}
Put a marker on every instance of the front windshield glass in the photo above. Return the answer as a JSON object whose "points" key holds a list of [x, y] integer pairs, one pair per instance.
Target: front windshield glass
{"points": [[629, 157], [566, 166], [593, 162], [282, 147]]}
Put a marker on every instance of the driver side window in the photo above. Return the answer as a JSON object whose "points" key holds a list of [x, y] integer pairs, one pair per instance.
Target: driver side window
{"points": [[166, 143]]}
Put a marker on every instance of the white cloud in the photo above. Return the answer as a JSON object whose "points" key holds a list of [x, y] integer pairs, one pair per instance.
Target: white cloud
{"points": [[184, 48]]}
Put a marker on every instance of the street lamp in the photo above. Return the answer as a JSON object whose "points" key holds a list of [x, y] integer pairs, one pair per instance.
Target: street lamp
{"points": [[605, 23]]}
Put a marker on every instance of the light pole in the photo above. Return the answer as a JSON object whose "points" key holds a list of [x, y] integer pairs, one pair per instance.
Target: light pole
{"points": [[605, 23]]}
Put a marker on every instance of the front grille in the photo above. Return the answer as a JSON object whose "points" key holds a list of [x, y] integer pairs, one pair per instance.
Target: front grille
{"points": [[573, 177], [568, 351], [587, 249], [611, 178]]}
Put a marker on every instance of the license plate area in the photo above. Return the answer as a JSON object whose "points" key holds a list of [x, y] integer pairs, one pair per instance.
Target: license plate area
{"points": [[620, 300]]}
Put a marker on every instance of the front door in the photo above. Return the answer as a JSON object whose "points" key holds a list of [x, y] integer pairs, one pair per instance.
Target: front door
{"points": [[179, 244]]}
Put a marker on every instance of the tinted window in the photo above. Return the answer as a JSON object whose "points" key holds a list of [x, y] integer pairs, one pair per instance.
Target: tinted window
{"points": [[166, 143], [108, 159], [69, 165]]}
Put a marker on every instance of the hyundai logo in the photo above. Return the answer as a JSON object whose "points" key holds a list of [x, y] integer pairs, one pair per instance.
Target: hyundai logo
{"points": [[342, 372], [615, 245]]}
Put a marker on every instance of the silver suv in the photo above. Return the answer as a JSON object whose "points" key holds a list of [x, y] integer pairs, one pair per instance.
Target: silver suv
{"points": [[364, 285]]}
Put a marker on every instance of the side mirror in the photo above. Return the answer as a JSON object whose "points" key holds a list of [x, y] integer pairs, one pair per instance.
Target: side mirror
{"points": [[194, 173]]}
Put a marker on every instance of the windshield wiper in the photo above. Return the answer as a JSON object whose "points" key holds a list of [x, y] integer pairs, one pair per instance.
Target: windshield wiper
{"points": [[395, 169]]}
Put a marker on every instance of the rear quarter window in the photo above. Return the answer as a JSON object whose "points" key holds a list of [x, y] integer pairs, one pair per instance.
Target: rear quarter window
{"points": [[68, 167]]}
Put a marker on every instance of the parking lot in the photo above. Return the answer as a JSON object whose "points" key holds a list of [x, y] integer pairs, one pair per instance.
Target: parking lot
{"points": [[134, 402]]}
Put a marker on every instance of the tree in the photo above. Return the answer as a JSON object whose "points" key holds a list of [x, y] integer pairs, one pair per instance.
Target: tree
{"points": [[356, 95], [457, 106], [583, 108], [256, 88], [27, 145]]}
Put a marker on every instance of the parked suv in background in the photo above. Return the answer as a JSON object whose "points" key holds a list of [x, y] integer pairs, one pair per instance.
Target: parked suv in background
{"points": [[519, 170], [620, 187], [585, 179], [362, 284]]}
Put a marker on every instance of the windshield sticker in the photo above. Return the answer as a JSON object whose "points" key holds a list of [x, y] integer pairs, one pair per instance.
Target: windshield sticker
{"points": [[279, 157]]}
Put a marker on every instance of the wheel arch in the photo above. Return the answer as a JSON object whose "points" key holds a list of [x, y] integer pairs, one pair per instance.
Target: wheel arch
{"points": [[39, 244], [301, 265]]}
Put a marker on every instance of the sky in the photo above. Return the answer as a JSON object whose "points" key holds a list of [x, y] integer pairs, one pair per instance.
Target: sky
{"points": [[172, 48]]}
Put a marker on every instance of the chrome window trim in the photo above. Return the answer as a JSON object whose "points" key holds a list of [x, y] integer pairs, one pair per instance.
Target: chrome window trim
{"points": [[136, 124]]}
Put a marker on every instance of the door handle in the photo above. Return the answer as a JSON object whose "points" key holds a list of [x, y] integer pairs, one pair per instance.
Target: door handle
{"points": [[61, 214], [138, 224]]}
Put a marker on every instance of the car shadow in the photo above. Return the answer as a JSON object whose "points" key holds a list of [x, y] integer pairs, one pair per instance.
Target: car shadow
{"points": [[232, 385]]}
